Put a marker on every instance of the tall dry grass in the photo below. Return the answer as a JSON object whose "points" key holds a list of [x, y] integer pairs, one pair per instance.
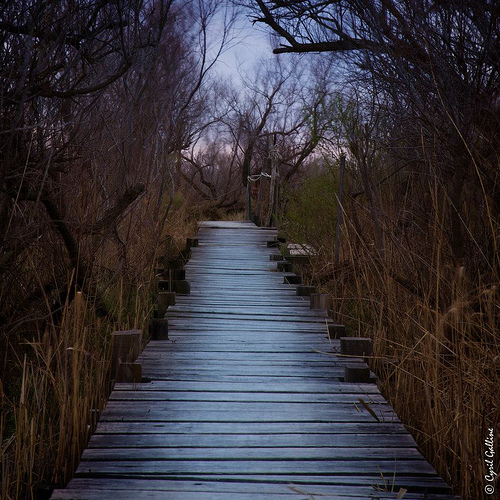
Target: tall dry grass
{"points": [[56, 362], [62, 389], [435, 328]]}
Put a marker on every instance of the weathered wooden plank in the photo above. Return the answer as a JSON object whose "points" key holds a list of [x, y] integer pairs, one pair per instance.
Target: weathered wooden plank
{"points": [[323, 453], [199, 344], [100, 488], [195, 376], [429, 484], [260, 370], [247, 366], [233, 412], [266, 357], [197, 440], [273, 313], [168, 468], [284, 387], [124, 397], [253, 428], [265, 325], [189, 495]]}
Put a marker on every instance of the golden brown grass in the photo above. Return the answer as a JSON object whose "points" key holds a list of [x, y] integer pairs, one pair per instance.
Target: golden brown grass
{"points": [[436, 336], [62, 389], [57, 380]]}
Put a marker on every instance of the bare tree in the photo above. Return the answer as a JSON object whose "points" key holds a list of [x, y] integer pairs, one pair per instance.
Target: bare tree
{"points": [[98, 101], [278, 110], [438, 62]]}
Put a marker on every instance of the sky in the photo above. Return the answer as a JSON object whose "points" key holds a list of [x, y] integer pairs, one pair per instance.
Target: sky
{"points": [[250, 45]]}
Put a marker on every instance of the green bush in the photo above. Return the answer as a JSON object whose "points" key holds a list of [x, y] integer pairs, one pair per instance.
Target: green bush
{"points": [[311, 209]]}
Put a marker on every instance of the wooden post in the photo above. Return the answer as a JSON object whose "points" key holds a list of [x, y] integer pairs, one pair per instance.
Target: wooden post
{"points": [[274, 185], [182, 287], [176, 264], [177, 274], [185, 254], [335, 331], [320, 301], [356, 346], [284, 266], [127, 345], [357, 374], [361, 347], [305, 290], [158, 328], [129, 373], [165, 299], [339, 209], [191, 243]]}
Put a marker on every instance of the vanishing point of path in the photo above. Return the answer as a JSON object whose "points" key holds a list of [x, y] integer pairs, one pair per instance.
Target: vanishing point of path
{"points": [[246, 400]]}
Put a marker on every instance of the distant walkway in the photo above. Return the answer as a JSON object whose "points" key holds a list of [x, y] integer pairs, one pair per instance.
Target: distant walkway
{"points": [[246, 400]]}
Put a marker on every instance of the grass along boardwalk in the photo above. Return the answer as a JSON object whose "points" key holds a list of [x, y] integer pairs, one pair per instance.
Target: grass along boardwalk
{"points": [[246, 399]]}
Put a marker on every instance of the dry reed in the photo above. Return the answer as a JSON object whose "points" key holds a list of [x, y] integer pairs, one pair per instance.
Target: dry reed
{"points": [[58, 376], [435, 332]]}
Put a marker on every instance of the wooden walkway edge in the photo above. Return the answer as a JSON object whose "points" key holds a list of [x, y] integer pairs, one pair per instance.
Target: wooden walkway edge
{"points": [[246, 400]]}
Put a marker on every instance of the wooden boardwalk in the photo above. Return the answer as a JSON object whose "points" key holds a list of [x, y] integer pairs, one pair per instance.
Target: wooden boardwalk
{"points": [[246, 400]]}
